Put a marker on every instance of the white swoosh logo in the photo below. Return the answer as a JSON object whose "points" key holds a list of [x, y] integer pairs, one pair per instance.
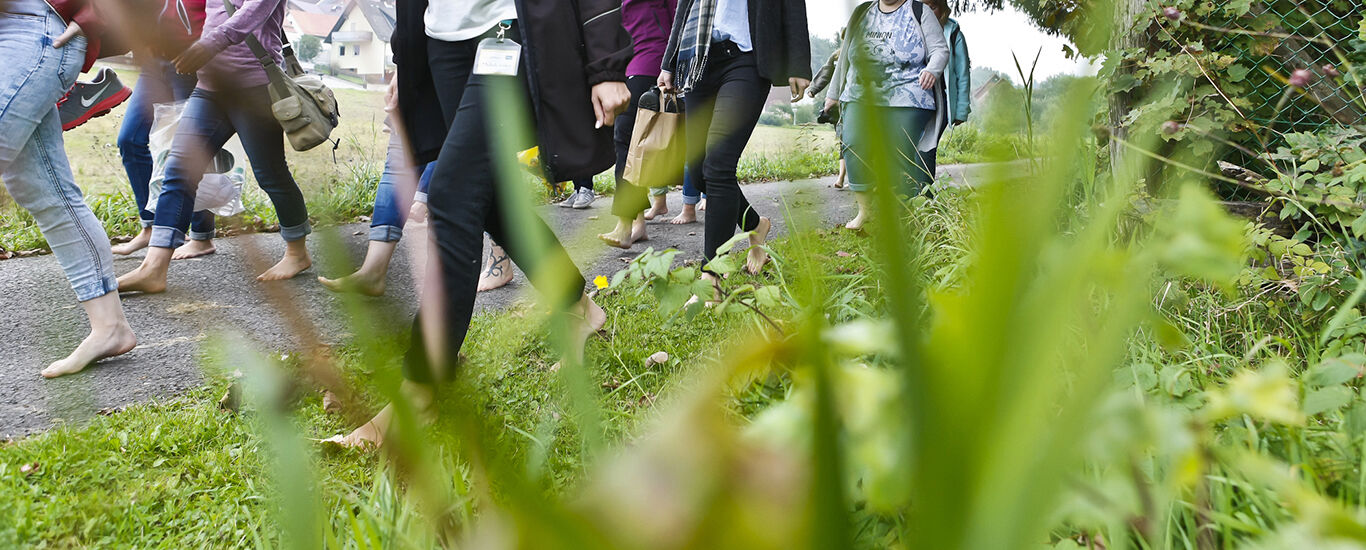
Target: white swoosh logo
{"points": [[88, 101]]}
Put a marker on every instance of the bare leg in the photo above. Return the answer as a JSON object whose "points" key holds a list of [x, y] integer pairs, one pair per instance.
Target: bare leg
{"points": [[497, 271], [757, 256], [139, 242], [150, 276], [839, 182], [296, 260], [702, 206], [589, 318], [688, 215], [370, 278], [659, 207], [194, 249], [110, 335], [856, 224], [626, 233]]}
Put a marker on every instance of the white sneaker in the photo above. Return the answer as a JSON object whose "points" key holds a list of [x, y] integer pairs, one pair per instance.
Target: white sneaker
{"points": [[586, 198], [569, 201]]}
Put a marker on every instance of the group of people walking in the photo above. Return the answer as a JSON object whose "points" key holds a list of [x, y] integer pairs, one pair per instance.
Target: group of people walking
{"points": [[576, 75]]}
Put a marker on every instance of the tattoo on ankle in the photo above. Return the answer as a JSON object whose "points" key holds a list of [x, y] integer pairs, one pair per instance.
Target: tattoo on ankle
{"points": [[495, 265]]}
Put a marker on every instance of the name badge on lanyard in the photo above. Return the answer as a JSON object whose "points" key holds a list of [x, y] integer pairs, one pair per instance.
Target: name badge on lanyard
{"points": [[498, 56]]}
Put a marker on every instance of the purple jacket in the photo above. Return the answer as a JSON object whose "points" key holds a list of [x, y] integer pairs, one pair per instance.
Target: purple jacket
{"points": [[234, 66], [648, 22]]}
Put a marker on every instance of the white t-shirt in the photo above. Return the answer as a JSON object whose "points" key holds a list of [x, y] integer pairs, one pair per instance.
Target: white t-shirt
{"points": [[456, 20]]}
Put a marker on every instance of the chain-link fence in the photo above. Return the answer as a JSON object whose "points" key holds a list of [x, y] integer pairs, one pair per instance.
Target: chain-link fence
{"points": [[1278, 38]]}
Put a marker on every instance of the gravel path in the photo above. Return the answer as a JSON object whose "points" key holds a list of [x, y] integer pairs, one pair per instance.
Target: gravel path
{"points": [[217, 294]]}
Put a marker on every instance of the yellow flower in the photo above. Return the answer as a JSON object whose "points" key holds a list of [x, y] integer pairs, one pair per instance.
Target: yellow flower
{"points": [[600, 281]]}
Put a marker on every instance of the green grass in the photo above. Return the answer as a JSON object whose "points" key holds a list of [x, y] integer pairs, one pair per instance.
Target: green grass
{"points": [[182, 473]]}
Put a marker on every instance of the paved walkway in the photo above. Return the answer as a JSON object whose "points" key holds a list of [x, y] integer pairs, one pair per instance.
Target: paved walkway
{"points": [[217, 294]]}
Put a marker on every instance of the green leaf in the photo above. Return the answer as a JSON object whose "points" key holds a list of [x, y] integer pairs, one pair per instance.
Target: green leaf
{"points": [[767, 296], [724, 264], [1331, 372], [1236, 73], [1201, 239], [1327, 399]]}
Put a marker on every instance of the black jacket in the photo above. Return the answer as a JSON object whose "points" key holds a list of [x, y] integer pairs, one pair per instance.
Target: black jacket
{"points": [[777, 31], [563, 60]]}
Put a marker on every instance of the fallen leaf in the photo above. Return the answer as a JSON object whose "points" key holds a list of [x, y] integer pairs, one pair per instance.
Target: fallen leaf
{"points": [[843, 254], [30, 469], [658, 358]]}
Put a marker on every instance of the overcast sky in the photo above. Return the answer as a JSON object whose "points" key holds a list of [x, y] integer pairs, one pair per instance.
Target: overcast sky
{"points": [[991, 38]]}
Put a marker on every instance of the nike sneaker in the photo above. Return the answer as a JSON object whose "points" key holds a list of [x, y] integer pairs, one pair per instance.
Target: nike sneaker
{"points": [[87, 100]]}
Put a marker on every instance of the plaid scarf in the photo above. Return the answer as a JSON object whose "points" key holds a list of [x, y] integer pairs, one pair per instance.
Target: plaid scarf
{"points": [[696, 38]]}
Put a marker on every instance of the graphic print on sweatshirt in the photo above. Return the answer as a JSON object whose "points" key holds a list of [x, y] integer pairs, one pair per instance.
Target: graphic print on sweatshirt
{"points": [[889, 55]]}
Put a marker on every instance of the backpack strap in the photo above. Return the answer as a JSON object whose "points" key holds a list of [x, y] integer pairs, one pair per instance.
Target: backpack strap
{"points": [[918, 8]]}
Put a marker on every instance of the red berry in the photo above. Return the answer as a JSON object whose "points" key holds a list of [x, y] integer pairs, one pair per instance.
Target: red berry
{"points": [[1331, 71], [1171, 12], [1171, 127], [1301, 78]]}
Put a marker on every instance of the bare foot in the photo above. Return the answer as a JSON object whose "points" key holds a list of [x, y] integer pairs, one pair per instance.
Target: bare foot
{"points": [[360, 282], [702, 206], [688, 215], [757, 257], [139, 242], [371, 435], [98, 345], [589, 318], [856, 224], [625, 235], [143, 279], [193, 249], [296, 260], [660, 208], [497, 271]]}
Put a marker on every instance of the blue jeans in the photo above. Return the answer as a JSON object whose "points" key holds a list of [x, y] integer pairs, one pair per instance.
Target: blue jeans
{"points": [[391, 211], [691, 195], [158, 83], [33, 161], [209, 120], [903, 127]]}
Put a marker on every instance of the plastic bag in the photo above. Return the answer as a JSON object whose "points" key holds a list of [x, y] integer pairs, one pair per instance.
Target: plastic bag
{"points": [[220, 190]]}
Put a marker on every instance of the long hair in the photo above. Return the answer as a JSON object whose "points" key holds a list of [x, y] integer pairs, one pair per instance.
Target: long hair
{"points": [[941, 9]]}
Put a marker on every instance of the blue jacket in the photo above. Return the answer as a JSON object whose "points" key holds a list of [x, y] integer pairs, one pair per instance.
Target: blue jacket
{"points": [[958, 76]]}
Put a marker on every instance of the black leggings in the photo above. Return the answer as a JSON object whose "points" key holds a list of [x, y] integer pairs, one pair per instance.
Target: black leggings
{"points": [[722, 111], [466, 200]]}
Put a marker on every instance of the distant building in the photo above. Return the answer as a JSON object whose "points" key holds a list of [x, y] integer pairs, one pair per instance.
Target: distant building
{"points": [[984, 91], [313, 18], [358, 43]]}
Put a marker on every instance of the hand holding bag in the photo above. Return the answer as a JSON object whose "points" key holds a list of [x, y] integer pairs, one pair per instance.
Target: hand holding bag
{"points": [[305, 107], [658, 149]]}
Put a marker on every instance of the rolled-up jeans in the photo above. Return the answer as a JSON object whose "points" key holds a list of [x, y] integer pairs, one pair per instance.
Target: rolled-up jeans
{"points": [[391, 210], [209, 120], [33, 161], [158, 83]]}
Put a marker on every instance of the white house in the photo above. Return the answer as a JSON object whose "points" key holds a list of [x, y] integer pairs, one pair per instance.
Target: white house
{"points": [[359, 42]]}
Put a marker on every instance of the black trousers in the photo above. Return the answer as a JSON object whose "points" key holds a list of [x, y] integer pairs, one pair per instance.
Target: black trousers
{"points": [[722, 110], [630, 199], [466, 199]]}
